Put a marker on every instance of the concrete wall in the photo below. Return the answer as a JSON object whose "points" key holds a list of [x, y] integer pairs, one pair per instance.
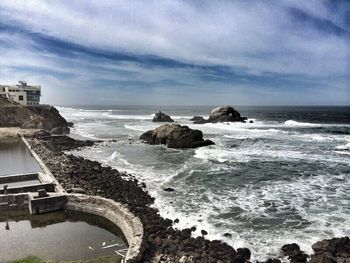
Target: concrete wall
{"points": [[13, 202], [47, 172], [49, 187], [47, 204], [118, 214]]}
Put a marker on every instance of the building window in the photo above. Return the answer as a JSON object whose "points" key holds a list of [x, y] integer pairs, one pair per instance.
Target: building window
{"points": [[20, 97]]}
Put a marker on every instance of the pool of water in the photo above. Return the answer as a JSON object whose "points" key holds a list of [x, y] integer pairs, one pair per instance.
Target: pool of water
{"points": [[15, 158], [60, 236]]}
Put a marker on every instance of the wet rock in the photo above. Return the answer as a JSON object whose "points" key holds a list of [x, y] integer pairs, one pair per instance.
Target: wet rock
{"points": [[162, 117], [198, 120], [176, 221], [64, 143], [175, 136], [273, 260], [245, 253], [332, 250], [290, 250], [203, 232], [251, 121], [169, 189], [225, 114], [227, 235]]}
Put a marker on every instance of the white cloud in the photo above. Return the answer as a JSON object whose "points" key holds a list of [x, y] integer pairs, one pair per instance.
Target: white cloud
{"points": [[255, 36]]}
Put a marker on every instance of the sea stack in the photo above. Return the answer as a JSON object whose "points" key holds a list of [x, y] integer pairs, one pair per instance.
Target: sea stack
{"points": [[225, 114], [175, 136], [162, 117], [220, 114]]}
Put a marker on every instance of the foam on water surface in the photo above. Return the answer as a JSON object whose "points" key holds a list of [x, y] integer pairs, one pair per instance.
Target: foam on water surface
{"points": [[266, 183]]}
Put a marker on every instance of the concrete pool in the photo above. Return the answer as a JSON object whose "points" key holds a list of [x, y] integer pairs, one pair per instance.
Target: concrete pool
{"points": [[65, 235], [15, 158]]}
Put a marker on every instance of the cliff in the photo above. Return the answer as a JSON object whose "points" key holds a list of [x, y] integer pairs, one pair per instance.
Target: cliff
{"points": [[41, 117]]}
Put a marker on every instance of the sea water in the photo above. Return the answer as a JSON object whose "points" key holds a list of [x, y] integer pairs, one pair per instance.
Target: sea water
{"points": [[283, 178]]}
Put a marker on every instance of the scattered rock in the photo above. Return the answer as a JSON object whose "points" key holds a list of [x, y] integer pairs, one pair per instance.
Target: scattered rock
{"points": [[162, 117], [203, 232], [175, 136]]}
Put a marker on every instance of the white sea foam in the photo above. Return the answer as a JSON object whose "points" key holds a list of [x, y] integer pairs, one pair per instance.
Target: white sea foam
{"points": [[136, 128], [313, 206], [343, 147], [300, 124]]}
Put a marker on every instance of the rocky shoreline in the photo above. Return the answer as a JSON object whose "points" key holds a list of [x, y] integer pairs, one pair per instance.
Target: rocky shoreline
{"points": [[163, 243]]}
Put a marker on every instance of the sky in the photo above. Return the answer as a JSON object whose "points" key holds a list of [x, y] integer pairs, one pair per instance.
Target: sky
{"points": [[171, 52]]}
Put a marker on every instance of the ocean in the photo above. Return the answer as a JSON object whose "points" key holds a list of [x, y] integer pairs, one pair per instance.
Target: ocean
{"points": [[284, 178]]}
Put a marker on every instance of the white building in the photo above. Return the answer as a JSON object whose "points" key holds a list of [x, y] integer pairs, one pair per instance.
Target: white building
{"points": [[22, 93]]}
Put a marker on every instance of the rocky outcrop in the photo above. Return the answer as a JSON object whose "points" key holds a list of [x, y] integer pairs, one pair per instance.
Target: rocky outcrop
{"points": [[198, 120], [64, 143], [162, 117], [335, 250], [221, 114], [225, 114], [175, 136], [41, 117]]}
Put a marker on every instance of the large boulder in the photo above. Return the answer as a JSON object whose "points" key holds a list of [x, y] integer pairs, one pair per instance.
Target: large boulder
{"points": [[175, 136], [225, 114], [162, 117], [41, 117], [331, 250]]}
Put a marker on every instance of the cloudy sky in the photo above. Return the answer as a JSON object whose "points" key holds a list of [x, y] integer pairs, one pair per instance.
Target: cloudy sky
{"points": [[248, 52]]}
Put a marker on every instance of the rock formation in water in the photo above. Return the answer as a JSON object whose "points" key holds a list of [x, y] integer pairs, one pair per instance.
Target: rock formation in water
{"points": [[225, 114], [175, 136], [43, 117], [198, 120], [162, 117], [221, 114]]}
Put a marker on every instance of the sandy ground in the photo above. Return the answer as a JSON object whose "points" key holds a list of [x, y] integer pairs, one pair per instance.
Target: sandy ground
{"points": [[14, 132]]}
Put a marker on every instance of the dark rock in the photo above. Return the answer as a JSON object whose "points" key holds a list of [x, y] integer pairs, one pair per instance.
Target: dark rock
{"points": [[70, 124], [176, 221], [204, 233], [336, 246], [169, 189], [64, 143], [162, 117], [227, 235], [251, 121], [273, 260], [324, 258], [198, 120], [245, 252], [290, 250], [175, 136], [225, 114]]}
